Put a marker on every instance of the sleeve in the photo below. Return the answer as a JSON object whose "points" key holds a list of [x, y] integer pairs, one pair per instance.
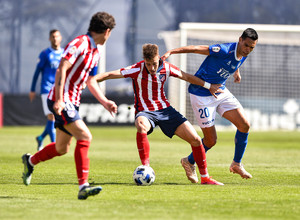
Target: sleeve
{"points": [[39, 67], [74, 49], [94, 71], [218, 50], [131, 71], [174, 70]]}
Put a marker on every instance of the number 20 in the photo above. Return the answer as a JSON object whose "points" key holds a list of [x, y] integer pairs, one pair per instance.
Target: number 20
{"points": [[204, 113]]}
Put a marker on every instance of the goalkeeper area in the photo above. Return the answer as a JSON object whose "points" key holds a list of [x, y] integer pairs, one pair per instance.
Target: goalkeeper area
{"points": [[269, 89]]}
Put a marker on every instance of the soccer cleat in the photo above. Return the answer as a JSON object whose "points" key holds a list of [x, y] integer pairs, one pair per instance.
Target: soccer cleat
{"points": [[239, 169], [190, 170], [39, 141], [28, 169], [210, 181], [87, 191]]}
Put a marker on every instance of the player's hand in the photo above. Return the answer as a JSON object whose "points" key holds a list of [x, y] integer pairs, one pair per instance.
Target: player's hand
{"points": [[215, 88], [237, 78], [165, 56], [31, 96], [58, 106], [111, 107]]}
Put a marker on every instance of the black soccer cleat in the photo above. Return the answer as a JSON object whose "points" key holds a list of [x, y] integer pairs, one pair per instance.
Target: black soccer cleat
{"points": [[28, 169], [87, 191]]}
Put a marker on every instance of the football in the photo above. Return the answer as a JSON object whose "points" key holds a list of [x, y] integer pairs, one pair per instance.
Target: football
{"points": [[143, 175]]}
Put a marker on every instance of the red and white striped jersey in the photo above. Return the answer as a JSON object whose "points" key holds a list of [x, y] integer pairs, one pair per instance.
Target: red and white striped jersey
{"points": [[148, 89], [83, 54]]}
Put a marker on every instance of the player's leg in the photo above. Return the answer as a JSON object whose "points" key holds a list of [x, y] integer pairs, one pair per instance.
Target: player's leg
{"points": [[143, 126], [237, 117], [209, 140], [187, 132], [49, 128], [48, 152], [83, 136], [204, 109]]}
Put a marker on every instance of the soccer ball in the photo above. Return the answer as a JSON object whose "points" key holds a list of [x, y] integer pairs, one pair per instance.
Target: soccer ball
{"points": [[143, 175]]}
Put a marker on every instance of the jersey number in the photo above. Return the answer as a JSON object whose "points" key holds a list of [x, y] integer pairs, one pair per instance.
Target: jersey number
{"points": [[204, 113]]}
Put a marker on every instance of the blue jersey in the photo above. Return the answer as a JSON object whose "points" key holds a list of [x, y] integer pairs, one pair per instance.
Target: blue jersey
{"points": [[47, 64], [217, 67]]}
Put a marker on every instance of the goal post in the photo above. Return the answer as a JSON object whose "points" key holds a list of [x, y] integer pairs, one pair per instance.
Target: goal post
{"points": [[269, 90]]}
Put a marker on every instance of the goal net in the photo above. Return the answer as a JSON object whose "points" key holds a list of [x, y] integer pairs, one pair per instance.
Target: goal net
{"points": [[269, 90]]}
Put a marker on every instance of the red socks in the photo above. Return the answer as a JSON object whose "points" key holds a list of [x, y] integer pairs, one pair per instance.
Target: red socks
{"points": [[82, 161], [143, 147], [200, 159], [47, 153]]}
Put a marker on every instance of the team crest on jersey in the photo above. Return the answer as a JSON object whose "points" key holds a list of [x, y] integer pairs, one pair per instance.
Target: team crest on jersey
{"points": [[72, 50], [71, 113], [216, 49], [162, 77]]}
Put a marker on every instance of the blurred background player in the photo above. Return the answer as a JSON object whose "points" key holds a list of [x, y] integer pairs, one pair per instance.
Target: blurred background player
{"points": [[77, 68], [47, 64], [222, 61], [153, 109]]}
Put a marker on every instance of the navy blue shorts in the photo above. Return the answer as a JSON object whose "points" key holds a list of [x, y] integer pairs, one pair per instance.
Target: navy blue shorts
{"points": [[167, 119], [69, 114]]}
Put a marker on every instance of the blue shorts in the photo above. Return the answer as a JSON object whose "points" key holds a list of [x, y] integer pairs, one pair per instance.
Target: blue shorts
{"points": [[167, 119], [69, 114]]}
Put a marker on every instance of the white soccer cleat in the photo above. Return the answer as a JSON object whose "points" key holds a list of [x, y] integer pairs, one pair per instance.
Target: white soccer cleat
{"points": [[239, 169], [190, 170]]}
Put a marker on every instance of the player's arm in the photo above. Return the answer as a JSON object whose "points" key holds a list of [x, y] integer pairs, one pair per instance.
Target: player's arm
{"points": [[200, 49], [213, 88], [116, 74], [39, 68], [60, 78], [34, 81], [237, 76], [97, 93]]}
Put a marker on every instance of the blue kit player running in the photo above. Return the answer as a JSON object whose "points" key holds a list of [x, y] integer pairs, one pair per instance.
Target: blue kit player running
{"points": [[47, 64], [222, 61]]}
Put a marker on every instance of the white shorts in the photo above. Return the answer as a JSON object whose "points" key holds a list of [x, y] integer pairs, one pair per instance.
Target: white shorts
{"points": [[44, 103], [205, 107]]}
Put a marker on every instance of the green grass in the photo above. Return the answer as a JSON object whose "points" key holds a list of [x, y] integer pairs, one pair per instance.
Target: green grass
{"points": [[271, 157]]}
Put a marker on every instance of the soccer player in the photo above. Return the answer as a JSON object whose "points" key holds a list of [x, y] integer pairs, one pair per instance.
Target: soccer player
{"points": [[47, 64], [153, 109], [222, 61], [76, 69]]}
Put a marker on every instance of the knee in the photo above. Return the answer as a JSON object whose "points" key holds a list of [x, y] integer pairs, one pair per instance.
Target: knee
{"points": [[245, 127], [196, 141], [87, 136], [62, 151], [141, 126], [210, 142]]}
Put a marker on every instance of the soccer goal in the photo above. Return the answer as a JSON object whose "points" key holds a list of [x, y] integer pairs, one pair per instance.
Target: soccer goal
{"points": [[269, 90]]}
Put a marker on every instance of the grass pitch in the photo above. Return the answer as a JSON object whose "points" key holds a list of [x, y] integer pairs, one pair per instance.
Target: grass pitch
{"points": [[271, 157]]}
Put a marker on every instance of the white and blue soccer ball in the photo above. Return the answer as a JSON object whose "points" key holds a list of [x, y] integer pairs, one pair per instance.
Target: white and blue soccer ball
{"points": [[143, 175]]}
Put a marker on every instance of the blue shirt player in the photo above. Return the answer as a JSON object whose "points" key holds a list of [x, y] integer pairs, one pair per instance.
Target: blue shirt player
{"points": [[222, 61], [47, 64]]}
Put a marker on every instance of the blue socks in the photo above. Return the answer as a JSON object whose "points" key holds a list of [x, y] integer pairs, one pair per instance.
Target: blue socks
{"points": [[241, 140], [49, 129]]}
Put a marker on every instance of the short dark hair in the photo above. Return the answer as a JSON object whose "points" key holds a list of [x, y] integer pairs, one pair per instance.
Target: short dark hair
{"points": [[101, 21], [52, 31], [250, 33], [150, 51]]}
